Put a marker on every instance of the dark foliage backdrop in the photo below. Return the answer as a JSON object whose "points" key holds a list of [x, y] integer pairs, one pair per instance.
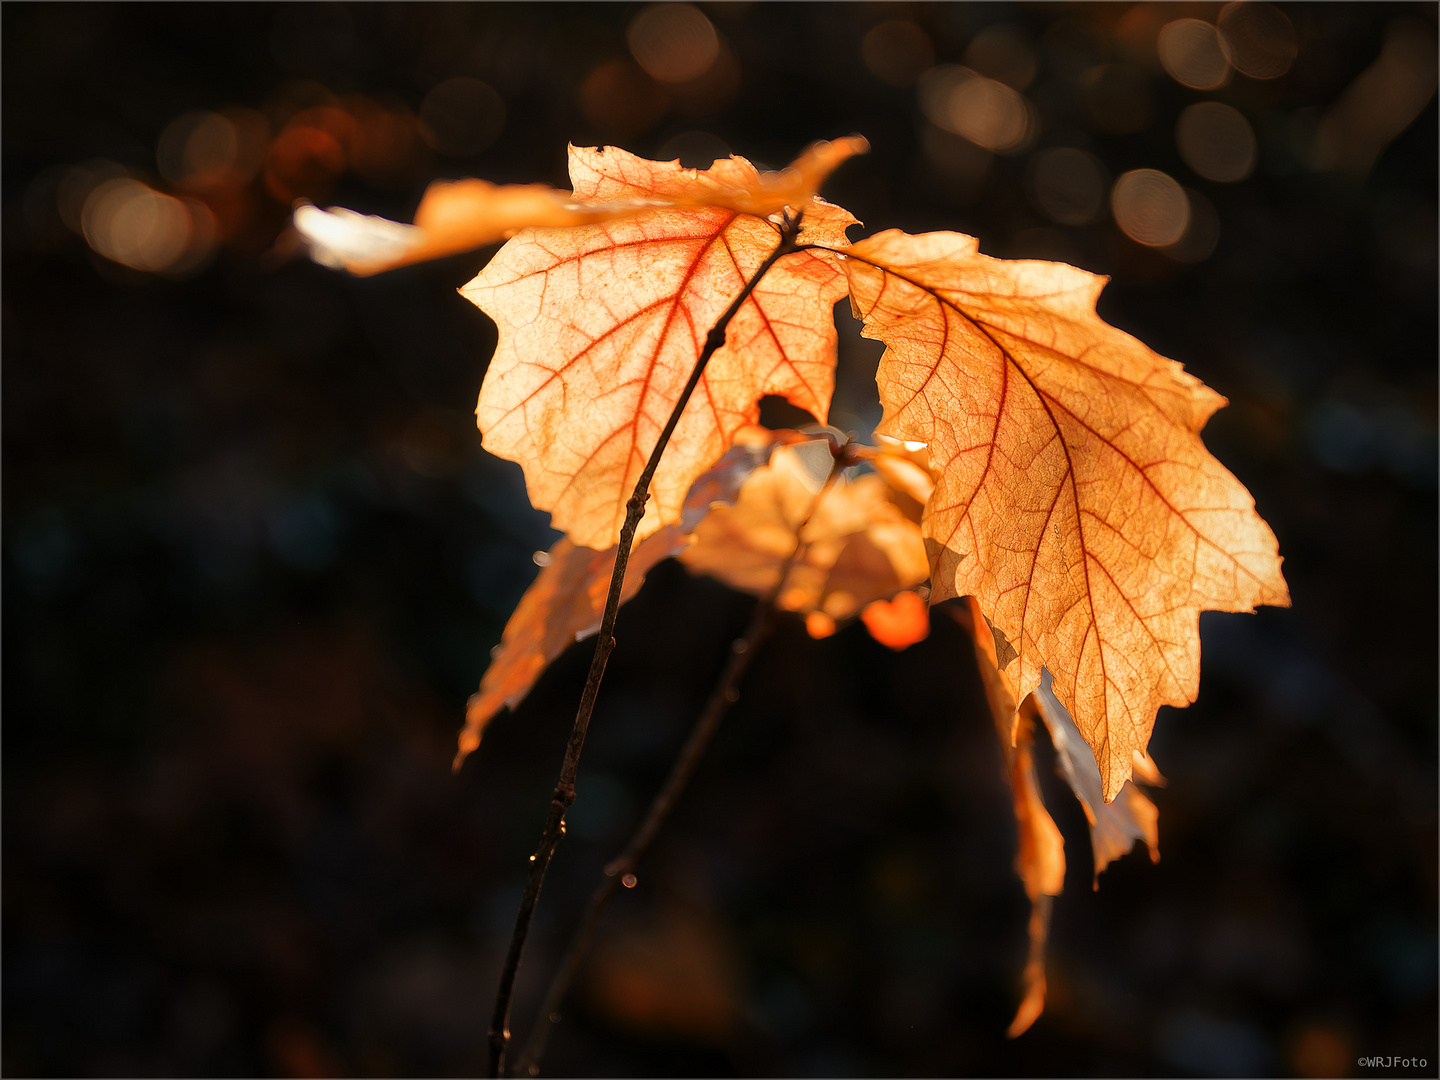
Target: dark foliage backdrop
{"points": [[255, 558]]}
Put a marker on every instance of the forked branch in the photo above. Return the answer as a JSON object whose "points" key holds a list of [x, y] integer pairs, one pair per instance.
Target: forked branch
{"points": [[619, 870], [564, 795]]}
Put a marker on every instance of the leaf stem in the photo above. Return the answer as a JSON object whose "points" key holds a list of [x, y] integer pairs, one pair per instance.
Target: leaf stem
{"points": [[724, 694], [564, 795]]}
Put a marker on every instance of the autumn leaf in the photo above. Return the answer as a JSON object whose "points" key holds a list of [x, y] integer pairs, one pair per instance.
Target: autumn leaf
{"points": [[858, 546], [1040, 850], [1075, 498], [601, 325], [562, 605], [1040, 859], [567, 598], [453, 216], [1116, 825], [461, 215]]}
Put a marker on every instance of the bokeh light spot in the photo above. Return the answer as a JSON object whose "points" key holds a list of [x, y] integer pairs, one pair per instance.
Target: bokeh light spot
{"points": [[1068, 185], [1216, 141], [897, 52], [1321, 1050], [386, 149], [75, 186], [303, 162], [675, 43], [1150, 207], [1258, 39], [202, 150], [461, 117], [985, 111], [620, 100], [1190, 50], [136, 226], [1003, 53]]}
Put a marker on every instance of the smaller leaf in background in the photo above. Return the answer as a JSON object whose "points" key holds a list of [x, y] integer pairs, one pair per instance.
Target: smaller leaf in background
{"points": [[453, 216], [1040, 862], [858, 544], [898, 623], [563, 604], [1116, 825], [1040, 854], [905, 467], [566, 601]]}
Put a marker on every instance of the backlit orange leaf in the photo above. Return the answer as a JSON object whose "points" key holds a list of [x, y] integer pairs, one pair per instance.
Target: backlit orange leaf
{"points": [[1075, 498], [460, 215], [858, 545], [453, 216], [566, 600], [601, 325]]}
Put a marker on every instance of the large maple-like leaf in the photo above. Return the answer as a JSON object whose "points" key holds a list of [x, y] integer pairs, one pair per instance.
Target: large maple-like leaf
{"points": [[1075, 498], [601, 325]]}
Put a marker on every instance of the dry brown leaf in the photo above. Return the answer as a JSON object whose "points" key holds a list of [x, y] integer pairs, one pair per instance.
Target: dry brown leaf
{"points": [[563, 604], [601, 325], [859, 546], [1040, 854], [1040, 862], [566, 600], [1116, 825], [1076, 500]]}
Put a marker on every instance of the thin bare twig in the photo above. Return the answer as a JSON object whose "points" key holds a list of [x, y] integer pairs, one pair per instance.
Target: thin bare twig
{"points": [[619, 869], [564, 795]]}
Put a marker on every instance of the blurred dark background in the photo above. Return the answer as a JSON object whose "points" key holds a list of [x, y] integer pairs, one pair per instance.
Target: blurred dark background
{"points": [[255, 557]]}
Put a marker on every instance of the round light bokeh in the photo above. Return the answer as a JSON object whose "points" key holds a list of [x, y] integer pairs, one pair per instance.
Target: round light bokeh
{"points": [[461, 117], [1216, 141], [132, 224], [674, 43], [985, 111], [897, 52], [1190, 50], [1258, 39], [1150, 207]]}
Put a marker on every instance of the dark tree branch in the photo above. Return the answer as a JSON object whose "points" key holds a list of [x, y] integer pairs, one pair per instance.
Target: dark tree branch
{"points": [[725, 694], [564, 795]]}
